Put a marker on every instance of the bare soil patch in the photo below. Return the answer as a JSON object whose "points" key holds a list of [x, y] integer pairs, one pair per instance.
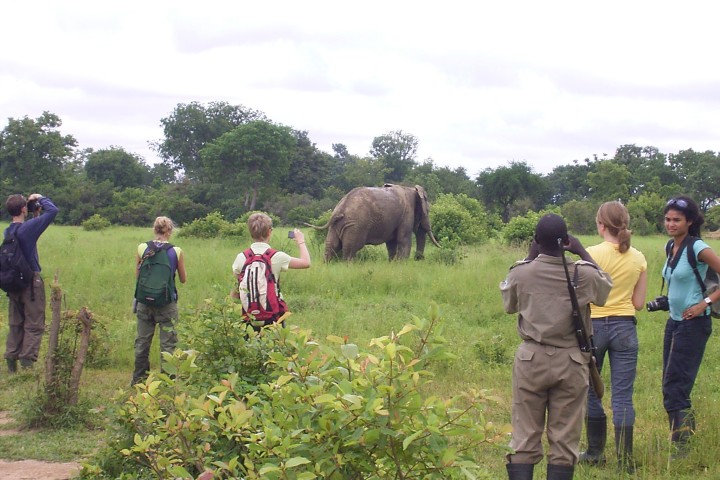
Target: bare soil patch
{"points": [[33, 469]]}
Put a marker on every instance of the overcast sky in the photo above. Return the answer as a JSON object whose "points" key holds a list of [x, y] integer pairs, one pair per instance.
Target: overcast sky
{"points": [[479, 84]]}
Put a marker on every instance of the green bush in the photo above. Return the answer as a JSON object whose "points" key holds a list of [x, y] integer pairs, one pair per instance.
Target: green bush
{"points": [[211, 226], [712, 218], [459, 218], [96, 222], [580, 216], [325, 410], [520, 230]]}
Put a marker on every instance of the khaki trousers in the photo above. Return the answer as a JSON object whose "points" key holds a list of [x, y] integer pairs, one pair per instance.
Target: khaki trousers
{"points": [[550, 387], [26, 321]]}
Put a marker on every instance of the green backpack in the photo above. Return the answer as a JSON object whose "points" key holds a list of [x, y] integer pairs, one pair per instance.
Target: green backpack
{"points": [[155, 285]]}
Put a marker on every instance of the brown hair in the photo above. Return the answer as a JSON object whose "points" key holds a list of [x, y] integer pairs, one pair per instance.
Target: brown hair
{"points": [[259, 225], [616, 219], [163, 226], [15, 204]]}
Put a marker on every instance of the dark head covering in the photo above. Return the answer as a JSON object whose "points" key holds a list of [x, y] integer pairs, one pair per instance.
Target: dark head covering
{"points": [[549, 228]]}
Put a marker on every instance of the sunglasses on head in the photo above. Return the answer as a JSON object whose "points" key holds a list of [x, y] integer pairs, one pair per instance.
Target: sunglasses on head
{"points": [[677, 201]]}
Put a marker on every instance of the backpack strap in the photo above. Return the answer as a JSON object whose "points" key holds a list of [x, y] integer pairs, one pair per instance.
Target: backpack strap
{"points": [[267, 255], [692, 260]]}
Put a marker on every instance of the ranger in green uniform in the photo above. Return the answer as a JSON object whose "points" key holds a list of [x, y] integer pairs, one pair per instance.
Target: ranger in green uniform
{"points": [[550, 374]]}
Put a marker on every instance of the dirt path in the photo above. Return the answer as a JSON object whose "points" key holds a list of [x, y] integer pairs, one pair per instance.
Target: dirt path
{"points": [[33, 469]]}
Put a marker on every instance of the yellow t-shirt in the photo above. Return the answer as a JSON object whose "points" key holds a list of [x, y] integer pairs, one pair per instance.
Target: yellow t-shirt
{"points": [[624, 269]]}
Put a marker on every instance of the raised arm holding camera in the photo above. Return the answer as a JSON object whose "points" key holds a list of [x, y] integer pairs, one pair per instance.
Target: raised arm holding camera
{"points": [[263, 303], [26, 307]]}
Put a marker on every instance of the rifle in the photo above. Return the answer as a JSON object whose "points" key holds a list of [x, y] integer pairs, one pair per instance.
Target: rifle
{"points": [[584, 341]]}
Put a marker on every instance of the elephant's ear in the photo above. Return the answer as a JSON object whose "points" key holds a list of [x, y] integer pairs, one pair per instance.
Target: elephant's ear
{"points": [[423, 200]]}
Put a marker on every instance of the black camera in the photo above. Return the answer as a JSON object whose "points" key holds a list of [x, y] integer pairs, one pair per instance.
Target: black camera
{"points": [[660, 303], [32, 206]]}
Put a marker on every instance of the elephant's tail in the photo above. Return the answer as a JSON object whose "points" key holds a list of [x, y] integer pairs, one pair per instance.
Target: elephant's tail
{"points": [[333, 219]]}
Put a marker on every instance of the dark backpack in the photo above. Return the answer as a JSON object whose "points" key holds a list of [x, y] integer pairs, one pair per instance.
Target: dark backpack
{"points": [[156, 280], [15, 271], [259, 289], [710, 283]]}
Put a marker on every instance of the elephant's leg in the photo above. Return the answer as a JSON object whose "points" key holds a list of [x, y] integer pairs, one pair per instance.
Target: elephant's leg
{"points": [[333, 247], [420, 246], [353, 240], [392, 249], [403, 247]]}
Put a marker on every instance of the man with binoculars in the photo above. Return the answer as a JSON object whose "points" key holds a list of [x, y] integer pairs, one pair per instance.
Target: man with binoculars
{"points": [[26, 307]]}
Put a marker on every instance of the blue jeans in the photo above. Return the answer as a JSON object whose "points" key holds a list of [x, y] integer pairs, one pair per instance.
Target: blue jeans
{"points": [[683, 350], [616, 337]]}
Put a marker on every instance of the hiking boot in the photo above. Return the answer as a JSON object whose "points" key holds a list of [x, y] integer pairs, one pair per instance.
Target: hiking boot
{"points": [[560, 472], [26, 364], [682, 426], [596, 428], [520, 471], [624, 448], [12, 365]]}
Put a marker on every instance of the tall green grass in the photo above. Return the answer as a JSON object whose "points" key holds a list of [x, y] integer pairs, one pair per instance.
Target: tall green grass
{"points": [[363, 300]]}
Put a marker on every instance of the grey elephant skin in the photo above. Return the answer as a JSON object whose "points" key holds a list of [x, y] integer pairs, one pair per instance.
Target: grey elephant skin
{"points": [[373, 215]]}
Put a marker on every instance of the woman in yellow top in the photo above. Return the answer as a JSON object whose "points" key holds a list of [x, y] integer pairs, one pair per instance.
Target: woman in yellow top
{"points": [[615, 334]]}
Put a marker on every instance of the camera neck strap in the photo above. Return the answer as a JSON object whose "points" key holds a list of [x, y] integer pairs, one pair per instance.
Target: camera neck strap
{"points": [[672, 260]]}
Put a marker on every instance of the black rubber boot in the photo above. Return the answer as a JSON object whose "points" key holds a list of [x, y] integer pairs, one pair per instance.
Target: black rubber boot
{"points": [[560, 472], [624, 448], [12, 365], [682, 425], [596, 428], [26, 364], [520, 471]]}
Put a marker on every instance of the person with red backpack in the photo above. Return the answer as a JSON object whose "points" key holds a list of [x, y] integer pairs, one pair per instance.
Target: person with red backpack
{"points": [[258, 270], [157, 263], [26, 303]]}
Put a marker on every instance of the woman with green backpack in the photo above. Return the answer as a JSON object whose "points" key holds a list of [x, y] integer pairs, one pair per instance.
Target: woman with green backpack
{"points": [[157, 263]]}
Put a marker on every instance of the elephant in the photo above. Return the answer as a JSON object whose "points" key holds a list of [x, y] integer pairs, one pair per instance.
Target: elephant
{"points": [[375, 215]]}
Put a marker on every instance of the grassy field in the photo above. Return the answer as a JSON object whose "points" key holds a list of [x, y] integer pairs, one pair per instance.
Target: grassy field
{"points": [[362, 300]]}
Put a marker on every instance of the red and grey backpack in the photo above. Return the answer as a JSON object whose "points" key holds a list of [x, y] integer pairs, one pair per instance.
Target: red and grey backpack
{"points": [[259, 289]]}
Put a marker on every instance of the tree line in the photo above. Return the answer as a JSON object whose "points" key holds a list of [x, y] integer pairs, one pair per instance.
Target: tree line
{"points": [[218, 157]]}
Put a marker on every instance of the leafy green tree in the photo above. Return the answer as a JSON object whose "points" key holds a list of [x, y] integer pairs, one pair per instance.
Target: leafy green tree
{"points": [[133, 206], [569, 182], [251, 158], [310, 169], [192, 126], [646, 213], [580, 216], [118, 167], [504, 187], [699, 174], [647, 166], [438, 180], [33, 152], [609, 181], [363, 172], [397, 150]]}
